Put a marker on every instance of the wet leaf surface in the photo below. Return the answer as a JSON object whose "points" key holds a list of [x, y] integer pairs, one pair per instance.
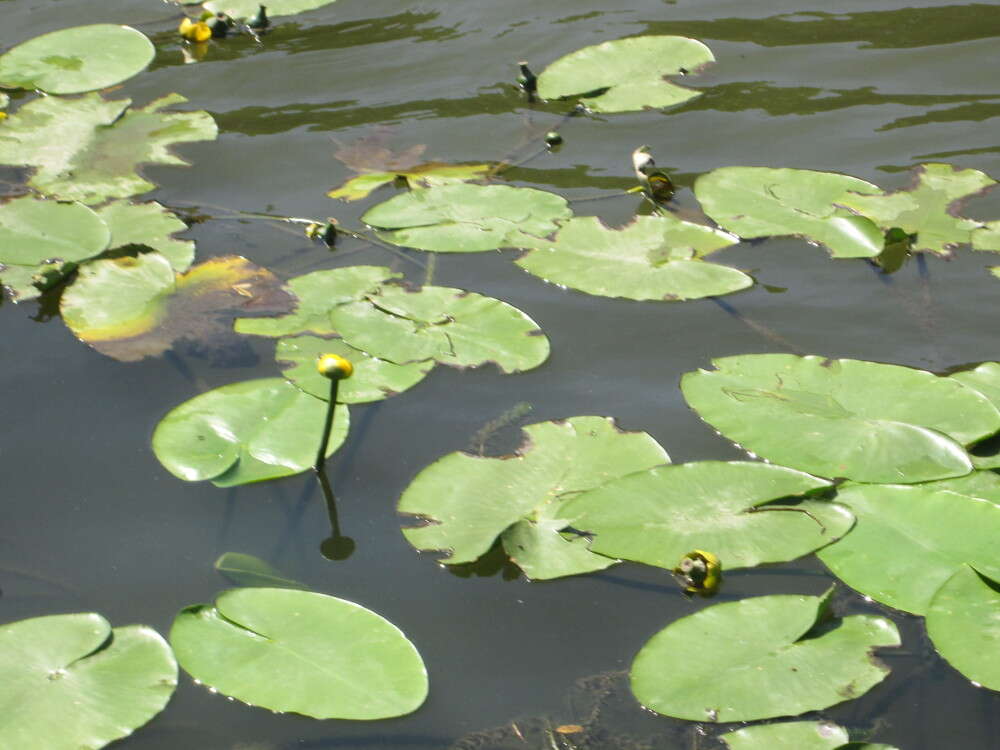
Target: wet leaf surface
{"points": [[148, 225], [790, 735]]}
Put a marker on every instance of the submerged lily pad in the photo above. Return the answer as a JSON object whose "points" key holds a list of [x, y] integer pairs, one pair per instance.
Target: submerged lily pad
{"points": [[130, 308], [417, 176], [373, 379], [301, 651], [44, 237], [468, 218], [651, 258], [88, 148], [790, 735], [626, 74], [70, 681], [929, 208], [248, 570], [245, 432], [843, 418], [909, 540], [248, 8], [658, 515], [764, 202], [82, 58], [768, 656], [148, 225], [468, 501], [451, 326], [963, 621]]}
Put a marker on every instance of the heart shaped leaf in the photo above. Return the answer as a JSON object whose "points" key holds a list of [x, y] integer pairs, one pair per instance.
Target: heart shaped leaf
{"points": [[963, 621], [148, 225]]}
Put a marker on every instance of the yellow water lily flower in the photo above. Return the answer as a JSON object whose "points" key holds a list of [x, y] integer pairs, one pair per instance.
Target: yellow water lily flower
{"points": [[194, 31]]}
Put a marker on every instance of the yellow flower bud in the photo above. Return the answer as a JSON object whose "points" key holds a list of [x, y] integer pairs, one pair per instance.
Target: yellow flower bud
{"points": [[334, 366]]}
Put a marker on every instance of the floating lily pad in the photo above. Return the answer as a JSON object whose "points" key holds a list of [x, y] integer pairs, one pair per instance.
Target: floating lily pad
{"points": [[417, 176], [626, 74], [71, 61], [651, 258], [843, 418], [791, 735], [468, 218], [248, 8], [909, 540], [40, 238], [769, 656], [248, 570], [764, 202], [469, 501], [930, 208], [987, 237], [70, 681], [88, 149], [373, 379], [963, 621], [451, 326], [657, 516], [131, 308], [148, 225], [245, 432], [301, 651], [319, 293]]}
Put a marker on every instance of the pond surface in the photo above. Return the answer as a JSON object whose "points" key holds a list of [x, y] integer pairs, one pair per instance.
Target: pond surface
{"points": [[90, 521]]}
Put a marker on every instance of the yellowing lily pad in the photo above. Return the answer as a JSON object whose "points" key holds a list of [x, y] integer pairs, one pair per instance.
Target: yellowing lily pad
{"points": [[417, 176]]}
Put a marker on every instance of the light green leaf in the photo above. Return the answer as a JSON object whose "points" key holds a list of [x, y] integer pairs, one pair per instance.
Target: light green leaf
{"points": [[626, 74], [88, 149], [247, 570], [373, 379], [248, 8], [987, 237], [451, 326], [82, 58], [929, 208], [763, 202], [471, 500], [69, 681], [464, 218], [245, 432], [149, 225], [843, 418], [791, 735], [421, 175], [963, 621], [300, 651], [319, 293], [766, 656], [651, 258], [659, 515], [39, 237], [908, 541], [130, 308]]}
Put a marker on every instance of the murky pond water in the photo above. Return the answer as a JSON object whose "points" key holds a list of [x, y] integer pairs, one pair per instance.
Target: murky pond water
{"points": [[92, 522]]}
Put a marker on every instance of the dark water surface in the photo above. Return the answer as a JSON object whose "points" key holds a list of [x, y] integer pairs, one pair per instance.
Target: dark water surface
{"points": [[89, 521]]}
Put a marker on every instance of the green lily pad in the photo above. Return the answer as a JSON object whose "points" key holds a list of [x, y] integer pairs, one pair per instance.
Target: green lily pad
{"points": [[764, 202], [300, 651], [843, 418], [987, 237], [373, 379], [929, 208], [39, 238], [248, 8], [963, 621], [148, 225], [319, 293], [4, 102], [82, 58], [652, 258], [88, 149], [626, 74], [791, 735], [245, 432], [468, 218], [70, 681], [130, 308], [417, 176], [909, 540], [450, 326], [769, 656], [659, 515], [469, 501], [248, 570]]}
